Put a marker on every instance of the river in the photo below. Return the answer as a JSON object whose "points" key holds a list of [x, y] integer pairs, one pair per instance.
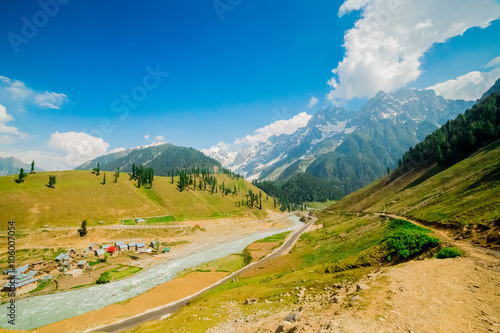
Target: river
{"points": [[39, 311]]}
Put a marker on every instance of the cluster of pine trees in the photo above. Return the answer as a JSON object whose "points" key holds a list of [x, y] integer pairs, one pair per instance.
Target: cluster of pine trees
{"points": [[143, 175], [458, 138], [293, 193]]}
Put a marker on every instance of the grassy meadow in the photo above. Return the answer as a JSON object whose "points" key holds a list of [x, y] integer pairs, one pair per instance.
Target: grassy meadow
{"points": [[80, 195]]}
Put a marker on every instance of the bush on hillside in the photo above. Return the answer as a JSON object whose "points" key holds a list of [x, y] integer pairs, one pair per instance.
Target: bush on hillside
{"points": [[408, 243], [449, 252]]}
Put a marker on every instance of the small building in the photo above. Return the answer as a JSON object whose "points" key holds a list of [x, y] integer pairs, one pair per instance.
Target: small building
{"points": [[22, 269], [99, 252], [140, 220], [83, 264], [71, 252], [117, 244], [50, 269], [140, 245], [153, 244], [165, 250], [37, 266], [145, 250], [111, 249], [23, 283], [60, 257], [131, 246], [105, 247], [93, 247], [123, 247]]}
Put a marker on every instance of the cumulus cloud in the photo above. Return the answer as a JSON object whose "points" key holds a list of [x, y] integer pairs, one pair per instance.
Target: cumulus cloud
{"points": [[17, 94], [278, 127], [77, 147], [159, 138], [312, 102], [383, 50], [146, 136], [4, 128], [469, 86]]}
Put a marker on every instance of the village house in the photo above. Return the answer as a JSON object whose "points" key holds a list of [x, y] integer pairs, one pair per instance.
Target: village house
{"points": [[140, 245], [99, 252], [123, 247], [131, 246], [23, 283], [112, 250], [118, 244], [83, 264], [93, 247], [105, 247], [60, 257], [38, 266], [145, 250], [153, 244]]}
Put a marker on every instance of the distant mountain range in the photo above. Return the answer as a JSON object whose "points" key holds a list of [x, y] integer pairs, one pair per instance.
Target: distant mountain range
{"points": [[348, 148], [162, 157], [9, 165]]}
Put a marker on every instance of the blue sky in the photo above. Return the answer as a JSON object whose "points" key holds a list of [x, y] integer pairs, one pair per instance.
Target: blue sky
{"points": [[233, 67]]}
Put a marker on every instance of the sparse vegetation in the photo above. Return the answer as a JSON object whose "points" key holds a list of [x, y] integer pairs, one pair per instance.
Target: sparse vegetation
{"points": [[449, 252]]}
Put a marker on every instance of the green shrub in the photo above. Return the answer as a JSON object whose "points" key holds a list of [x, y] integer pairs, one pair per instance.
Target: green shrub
{"points": [[104, 278], [247, 257], [409, 242], [449, 252]]}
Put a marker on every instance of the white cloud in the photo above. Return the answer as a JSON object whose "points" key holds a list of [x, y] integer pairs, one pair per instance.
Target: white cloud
{"points": [[146, 136], [17, 94], [469, 86], [312, 102], [278, 127], [384, 48], [4, 118], [116, 150], [220, 147], [159, 138], [494, 62], [77, 147]]}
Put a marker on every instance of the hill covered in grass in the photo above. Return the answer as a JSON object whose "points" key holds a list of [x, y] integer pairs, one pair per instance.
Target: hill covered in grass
{"points": [[467, 192], [80, 195]]}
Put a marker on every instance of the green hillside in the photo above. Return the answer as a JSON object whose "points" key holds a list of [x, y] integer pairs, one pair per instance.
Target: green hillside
{"points": [[80, 195], [467, 192]]}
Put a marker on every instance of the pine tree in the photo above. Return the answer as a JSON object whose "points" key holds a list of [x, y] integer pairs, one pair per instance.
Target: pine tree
{"points": [[22, 175], [52, 181], [32, 166], [104, 178]]}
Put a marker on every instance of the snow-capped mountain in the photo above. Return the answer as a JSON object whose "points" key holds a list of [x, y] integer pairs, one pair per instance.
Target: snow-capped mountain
{"points": [[9, 165], [421, 112]]}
